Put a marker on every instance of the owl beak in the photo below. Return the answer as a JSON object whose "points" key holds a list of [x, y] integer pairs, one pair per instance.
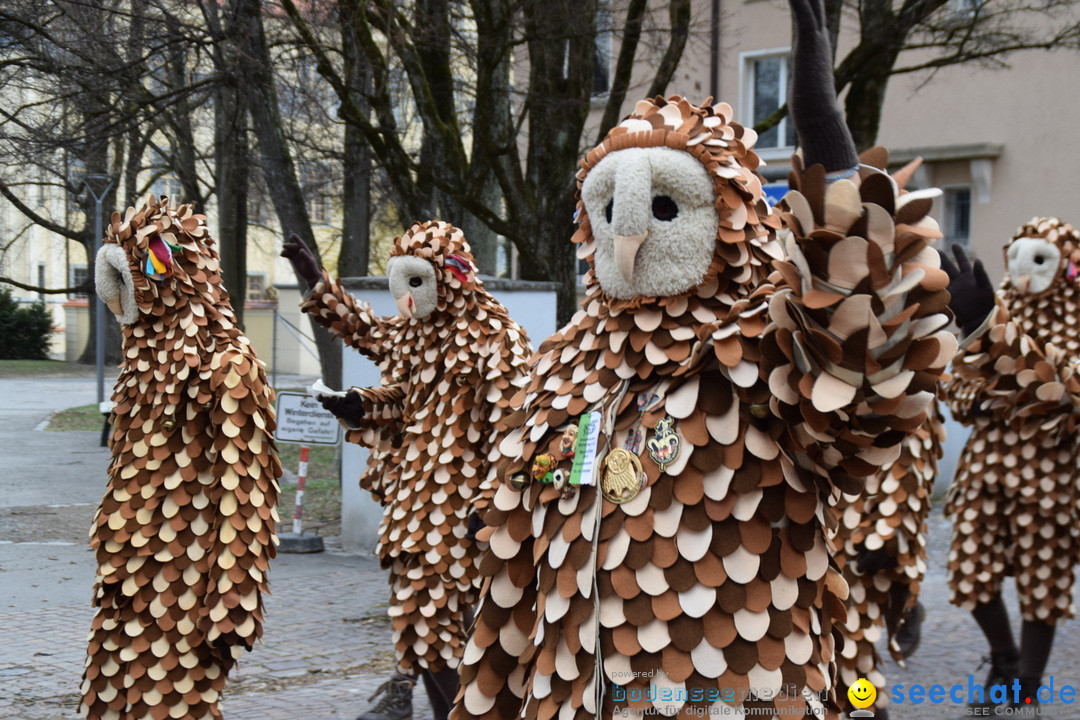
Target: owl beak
{"points": [[115, 306], [1022, 283], [406, 305], [626, 247]]}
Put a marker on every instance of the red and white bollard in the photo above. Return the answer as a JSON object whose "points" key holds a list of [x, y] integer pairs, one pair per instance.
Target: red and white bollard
{"points": [[301, 480]]}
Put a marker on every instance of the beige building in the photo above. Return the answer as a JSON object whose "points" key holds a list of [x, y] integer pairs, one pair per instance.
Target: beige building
{"points": [[1000, 143]]}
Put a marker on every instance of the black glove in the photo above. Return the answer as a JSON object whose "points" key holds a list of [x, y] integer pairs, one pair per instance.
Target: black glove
{"points": [[819, 121], [224, 643], [972, 295], [349, 408], [869, 562], [476, 524], [302, 259]]}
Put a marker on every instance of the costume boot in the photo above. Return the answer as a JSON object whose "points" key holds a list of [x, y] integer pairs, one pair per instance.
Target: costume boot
{"points": [[396, 700], [1036, 642], [1004, 659]]}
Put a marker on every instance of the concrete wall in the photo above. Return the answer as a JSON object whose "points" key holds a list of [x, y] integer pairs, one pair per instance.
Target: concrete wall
{"points": [[531, 304]]}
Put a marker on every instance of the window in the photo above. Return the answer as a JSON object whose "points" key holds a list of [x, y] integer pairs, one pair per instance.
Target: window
{"points": [[602, 51], [956, 224], [79, 274], [256, 286], [41, 278], [764, 90], [166, 184], [316, 181], [963, 9], [320, 208]]}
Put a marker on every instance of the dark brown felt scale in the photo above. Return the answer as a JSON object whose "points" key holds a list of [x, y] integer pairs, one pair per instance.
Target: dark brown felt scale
{"points": [[795, 368], [186, 531]]}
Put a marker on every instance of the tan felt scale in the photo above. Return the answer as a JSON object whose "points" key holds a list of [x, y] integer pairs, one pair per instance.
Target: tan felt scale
{"points": [[786, 372], [449, 378], [1014, 498], [186, 530]]}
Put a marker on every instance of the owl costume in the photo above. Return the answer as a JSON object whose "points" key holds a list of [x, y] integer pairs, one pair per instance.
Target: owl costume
{"points": [[1014, 499], [455, 367], [784, 372], [186, 530], [888, 519]]}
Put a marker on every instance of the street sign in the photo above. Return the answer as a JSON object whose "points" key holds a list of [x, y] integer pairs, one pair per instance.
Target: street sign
{"points": [[302, 419]]}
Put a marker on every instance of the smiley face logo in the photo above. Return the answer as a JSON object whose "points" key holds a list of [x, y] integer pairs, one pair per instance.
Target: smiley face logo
{"points": [[862, 693]]}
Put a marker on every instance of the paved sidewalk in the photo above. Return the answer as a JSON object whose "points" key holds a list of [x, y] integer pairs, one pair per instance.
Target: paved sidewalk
{"points": [[327, 644]]}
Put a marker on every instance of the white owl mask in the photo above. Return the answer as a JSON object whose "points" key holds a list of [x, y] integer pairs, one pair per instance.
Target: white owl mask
{"points": [[115, 287], [653, 215], [413, 285], [1033, 263]]}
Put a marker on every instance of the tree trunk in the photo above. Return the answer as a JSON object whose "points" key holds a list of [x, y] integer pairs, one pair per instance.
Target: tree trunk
{"points": [[231, 158], [560, 89], [254, 71], [355, 252]]}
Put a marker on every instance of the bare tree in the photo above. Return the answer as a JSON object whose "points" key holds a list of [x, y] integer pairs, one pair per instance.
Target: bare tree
{"points": [[473, 162], [938, 34]]}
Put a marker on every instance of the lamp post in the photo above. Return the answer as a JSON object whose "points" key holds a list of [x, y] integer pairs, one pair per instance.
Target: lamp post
{"points": [[104, 184]]}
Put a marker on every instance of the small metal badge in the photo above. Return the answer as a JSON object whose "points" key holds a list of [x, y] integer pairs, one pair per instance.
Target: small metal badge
{"points": [[622, 477], [664, 444], [519, 481], [168, 425]]}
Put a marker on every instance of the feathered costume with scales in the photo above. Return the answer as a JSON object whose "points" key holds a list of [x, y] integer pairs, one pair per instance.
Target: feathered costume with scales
{"points": [[789, 372], [186, 530], [890, 515], [455, 372], [1014, 498]]}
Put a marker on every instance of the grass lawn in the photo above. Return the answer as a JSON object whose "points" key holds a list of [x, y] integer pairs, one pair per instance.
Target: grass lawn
{"points": [[322, 491], [83, 417], [43, 368]]}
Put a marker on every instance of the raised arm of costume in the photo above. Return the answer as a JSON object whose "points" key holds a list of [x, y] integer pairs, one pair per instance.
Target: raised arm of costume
{"points": [[1032, 386], [350, 319]]}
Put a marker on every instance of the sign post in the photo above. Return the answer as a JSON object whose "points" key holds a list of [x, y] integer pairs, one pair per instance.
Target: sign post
{"points": [[302, 420]]}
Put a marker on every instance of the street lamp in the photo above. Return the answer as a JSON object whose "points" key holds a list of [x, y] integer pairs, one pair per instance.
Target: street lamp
{"points": [[103, 184]]}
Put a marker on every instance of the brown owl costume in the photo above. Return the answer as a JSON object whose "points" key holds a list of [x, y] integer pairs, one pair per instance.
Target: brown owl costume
{"points": [[456, 369], [1014, 498], [741, 405], [889, 520], [185, 532]]}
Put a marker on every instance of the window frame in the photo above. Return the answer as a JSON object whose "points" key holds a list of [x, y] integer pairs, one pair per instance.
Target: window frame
{"points": [[747, 76], [948, 212]]}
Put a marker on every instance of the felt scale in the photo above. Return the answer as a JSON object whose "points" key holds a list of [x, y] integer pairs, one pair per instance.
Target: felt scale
{"points": [[1014, 498], [186, 530], [448, 382]]}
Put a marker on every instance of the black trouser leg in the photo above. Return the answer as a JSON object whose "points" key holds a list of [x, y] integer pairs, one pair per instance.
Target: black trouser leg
{"points": [[1036, 642], [993, 619], [442, 687]]}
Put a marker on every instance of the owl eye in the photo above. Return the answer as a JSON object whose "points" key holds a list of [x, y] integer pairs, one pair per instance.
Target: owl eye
{"points": [[609, 209], [1039, 259], [664, 208], [415, 281]]}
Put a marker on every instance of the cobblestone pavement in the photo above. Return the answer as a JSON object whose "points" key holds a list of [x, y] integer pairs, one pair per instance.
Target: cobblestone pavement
{"points": [[327, 644]]}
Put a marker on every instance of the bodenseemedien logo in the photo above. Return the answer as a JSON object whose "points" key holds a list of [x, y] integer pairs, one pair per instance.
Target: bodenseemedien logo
{"points": [[861, 694]]}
